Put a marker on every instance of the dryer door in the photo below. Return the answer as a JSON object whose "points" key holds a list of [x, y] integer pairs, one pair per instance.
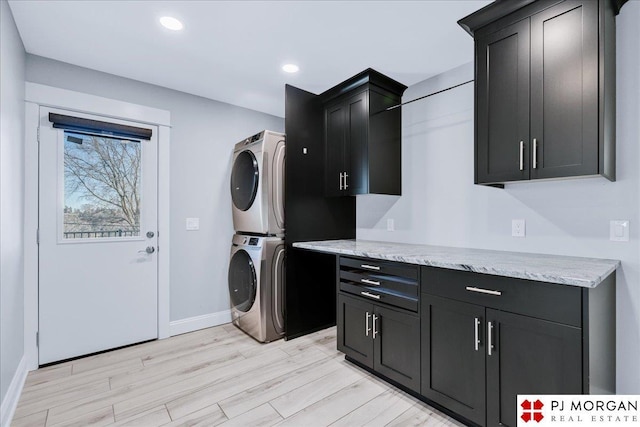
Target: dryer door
{"points": [[243, 282], [245, 177]]}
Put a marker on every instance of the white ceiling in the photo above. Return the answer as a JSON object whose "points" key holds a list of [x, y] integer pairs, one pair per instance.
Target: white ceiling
{"points": [[232, 51]]}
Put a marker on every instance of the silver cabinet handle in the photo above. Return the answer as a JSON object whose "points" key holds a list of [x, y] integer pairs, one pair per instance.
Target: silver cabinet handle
{"points": [[375, 330], [346, 175], [148, 249], [341, 181], [535, 153], [367, 294], [367, 328], [521, 155], [370, 267], [370, 282], [489, 337], [476, 339], [483, 291]]}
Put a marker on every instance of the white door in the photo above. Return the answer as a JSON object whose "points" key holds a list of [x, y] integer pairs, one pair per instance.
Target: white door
{"points": [[98, 275]]}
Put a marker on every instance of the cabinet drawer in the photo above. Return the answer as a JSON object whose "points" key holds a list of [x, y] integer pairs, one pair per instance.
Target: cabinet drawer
{"points": [[381, 281], [379, 295], [557, 303], [399, 269]]}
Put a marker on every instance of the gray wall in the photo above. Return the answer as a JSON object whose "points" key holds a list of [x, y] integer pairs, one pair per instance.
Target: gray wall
{"points": [[440, 205], [12, 72], [202, 137]]}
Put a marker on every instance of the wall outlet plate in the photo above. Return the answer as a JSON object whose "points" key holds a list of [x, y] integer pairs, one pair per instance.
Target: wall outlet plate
{"points": [[391, 226], [518, 227], [193, 224], [619, 230]]}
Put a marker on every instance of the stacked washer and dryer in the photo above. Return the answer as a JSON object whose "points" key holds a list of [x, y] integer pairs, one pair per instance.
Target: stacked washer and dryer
{"points": [[256, 268]]}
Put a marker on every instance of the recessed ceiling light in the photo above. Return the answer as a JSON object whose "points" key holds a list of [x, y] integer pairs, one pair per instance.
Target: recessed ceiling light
{"points": [[290, 68], [171, 23]]}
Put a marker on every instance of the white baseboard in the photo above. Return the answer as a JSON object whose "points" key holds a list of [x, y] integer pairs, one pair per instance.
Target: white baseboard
{"points": [[10, 401], [191, 324]]}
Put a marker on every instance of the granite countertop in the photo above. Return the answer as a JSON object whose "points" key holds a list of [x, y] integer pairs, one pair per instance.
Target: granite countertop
{"points": [[565, 270]]}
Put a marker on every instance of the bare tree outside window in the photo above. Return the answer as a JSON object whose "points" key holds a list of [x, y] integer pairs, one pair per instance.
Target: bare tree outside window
{"points": [[102, 179]]}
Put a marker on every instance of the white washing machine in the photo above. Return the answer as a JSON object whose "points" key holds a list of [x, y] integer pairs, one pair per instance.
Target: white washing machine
{"points": [[256, 273], [257, 184]]}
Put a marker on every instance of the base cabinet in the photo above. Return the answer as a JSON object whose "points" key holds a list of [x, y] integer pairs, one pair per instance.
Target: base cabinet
{"points": [[475, 360], [453, 357], [529, 356], [472, 342], [381, 338]]}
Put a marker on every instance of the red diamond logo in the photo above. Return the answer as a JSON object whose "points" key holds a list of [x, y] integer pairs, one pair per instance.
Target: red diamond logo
{"points": [[532, 411]]}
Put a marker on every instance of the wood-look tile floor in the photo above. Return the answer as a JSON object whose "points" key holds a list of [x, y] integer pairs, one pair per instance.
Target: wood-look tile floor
{"points": [[218, 376]]}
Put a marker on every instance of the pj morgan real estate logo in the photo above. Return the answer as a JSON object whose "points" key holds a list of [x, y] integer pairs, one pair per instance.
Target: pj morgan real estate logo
{"points": [[578, 410]]}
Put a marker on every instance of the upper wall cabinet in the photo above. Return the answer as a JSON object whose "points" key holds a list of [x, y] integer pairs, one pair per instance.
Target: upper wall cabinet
{"points": [[544, 89], [362, 137]]}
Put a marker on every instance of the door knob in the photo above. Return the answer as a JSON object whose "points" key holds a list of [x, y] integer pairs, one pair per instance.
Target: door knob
{"points": [[148, 249]]}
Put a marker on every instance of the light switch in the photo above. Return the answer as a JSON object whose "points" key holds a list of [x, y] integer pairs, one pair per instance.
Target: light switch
{"points": [[619, 231], [193, 224]]}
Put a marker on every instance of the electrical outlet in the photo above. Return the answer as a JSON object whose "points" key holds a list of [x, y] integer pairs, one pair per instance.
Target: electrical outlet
{"points": [[193, 224], [619, 231], [391, 226], [517, 227]]}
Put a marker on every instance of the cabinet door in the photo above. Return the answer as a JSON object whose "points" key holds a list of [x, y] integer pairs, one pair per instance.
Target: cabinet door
{"points": [[502, 105], [529, 356], [453, 360], [355, 329], [564, 90], [397, 346], [357, 153], [334, 143]]}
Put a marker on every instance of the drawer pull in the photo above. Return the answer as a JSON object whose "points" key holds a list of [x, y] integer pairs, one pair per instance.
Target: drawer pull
{"points": [[370, 267], [483, 291], [367, 294], [370, 282]]}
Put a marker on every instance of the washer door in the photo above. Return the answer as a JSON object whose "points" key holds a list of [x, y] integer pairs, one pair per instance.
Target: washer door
{"points": [[245, 176], [243, 282]]}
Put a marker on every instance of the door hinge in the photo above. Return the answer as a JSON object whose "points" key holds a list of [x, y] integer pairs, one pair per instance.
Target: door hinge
{"points": [[37, 236], [38, 133], [37, 339]]}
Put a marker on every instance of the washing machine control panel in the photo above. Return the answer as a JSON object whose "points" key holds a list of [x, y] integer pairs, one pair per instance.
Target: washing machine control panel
{"points": [[253, 241]]}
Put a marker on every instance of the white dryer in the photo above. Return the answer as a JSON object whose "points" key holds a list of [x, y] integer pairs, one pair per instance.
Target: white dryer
{"points": [[255, 285], [257, 184]]}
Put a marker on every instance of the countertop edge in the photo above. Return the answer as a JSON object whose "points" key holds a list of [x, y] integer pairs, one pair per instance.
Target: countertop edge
{"points": [[481, 269]]}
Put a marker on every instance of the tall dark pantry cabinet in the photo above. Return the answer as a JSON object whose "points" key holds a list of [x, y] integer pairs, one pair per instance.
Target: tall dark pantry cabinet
{"points": [[343, 142]]}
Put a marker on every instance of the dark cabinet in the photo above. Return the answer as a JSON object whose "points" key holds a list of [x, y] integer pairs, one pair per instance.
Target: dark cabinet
{"points": [[453, 361], [470, 342], [362, 137], [502, 109], [465, 343], [309, 304], [378, 319], [355, 334], [545, 91], [528, 356], [486, 339], [381, 338], [346, 130]]}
